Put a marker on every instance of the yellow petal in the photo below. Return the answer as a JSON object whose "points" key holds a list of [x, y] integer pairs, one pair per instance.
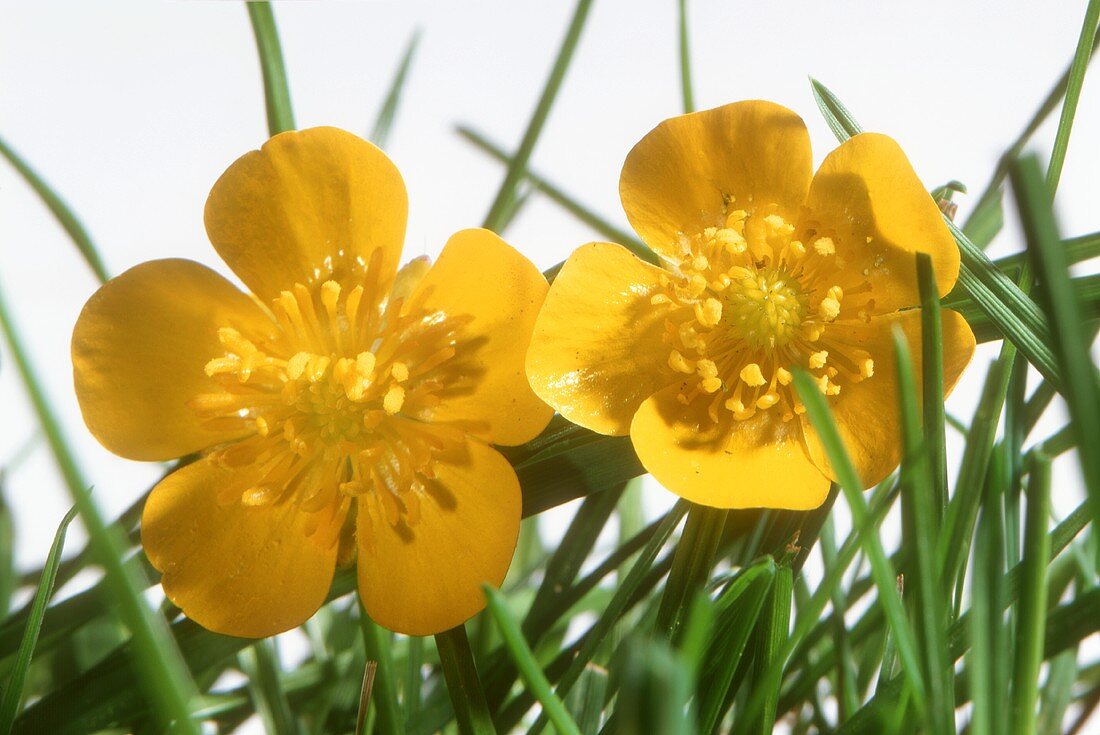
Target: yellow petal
{"points": [[481, 278], [868, 414], [756, 463], [689, 171], [426, 578], [278, 213], [867, 192], [139, 348], [248, 571], [597, 351]]}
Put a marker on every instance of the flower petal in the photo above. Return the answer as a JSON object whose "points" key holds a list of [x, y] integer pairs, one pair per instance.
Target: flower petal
{"points": [[868, 413], [756, 463], [867, 193], [482, 279], [139, 348], [306, 202], [249, 571], [426, 578], [681, 176], [597, 351]]}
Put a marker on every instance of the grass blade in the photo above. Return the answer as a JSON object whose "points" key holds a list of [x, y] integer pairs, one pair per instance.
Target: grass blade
{"points": [[516, 168], [260, 664], [1075, 81], [380, 133], [686, 93], [378, 643], [463, 682], [586, 701], [774, 629], [1032, 619], [280, 115], [529, 668], [13, 690], [163, 674], [60, 210], [691, 566], [933, 414], [882, 570], [836, 115]]}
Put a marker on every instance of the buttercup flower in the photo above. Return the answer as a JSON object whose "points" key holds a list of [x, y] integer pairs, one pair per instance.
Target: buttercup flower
{"points": [[347, 405], [764, 268]]}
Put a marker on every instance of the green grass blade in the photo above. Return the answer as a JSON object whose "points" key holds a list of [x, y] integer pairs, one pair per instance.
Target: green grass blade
{"points": [[691, 567], [836, 115], [383, 124], [933, 413], [1057, 692], [847, 697], [414, 678], [60, 210], [529, 668], [13, 689], [1075, 249], [687, 95], [919, 533], [463, 682], [1032, 619], [260, 663], [164, 676], [1082, 390], [585, 703], [882, 570], [9, 578], [1073, 95], [566, 201], [773, 630], [542, 110], [378, 643], [280, 115]]}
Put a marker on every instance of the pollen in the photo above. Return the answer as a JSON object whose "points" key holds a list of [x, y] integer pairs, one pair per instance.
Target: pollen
{"points": [[752, 375]]}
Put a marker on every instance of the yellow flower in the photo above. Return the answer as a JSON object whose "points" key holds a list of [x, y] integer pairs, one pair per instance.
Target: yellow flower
{"points": [[765, 268], [347, 405]]}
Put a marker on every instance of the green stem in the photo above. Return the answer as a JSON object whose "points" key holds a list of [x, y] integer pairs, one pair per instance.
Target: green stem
{"points": [[686, 92], [463, 682], [280, 115]]}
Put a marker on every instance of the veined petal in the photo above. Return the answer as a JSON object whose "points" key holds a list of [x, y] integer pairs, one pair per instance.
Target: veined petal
{"points": [[868, 199], [139, 348], [868, 413], [482, 281], [306, 203], [690, 171], [756, 463], [426, 578], [249, 571], [597, 351]]}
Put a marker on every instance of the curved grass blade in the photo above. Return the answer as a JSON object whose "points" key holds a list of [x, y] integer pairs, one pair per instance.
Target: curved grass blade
{"points": [[60, 210], [380, 133], [280, 115], [553, 708], [1075, 81], [516, 168], [13, 690]]}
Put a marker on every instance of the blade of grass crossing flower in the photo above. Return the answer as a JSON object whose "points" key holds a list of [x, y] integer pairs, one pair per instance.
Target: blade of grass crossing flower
{"points": [[687, 94], [881, 568], [260, 664], [378, 644], [1073, 94], [586, 702], [60, 210], [13, 690], [280, 115], [529, 668], [380, 133], [1082, 389], [1032, 618], [463, 682], [566, 201], [934, 420], [619, 601], [542, 110], [164, 676], [919, 505], [691, 566]]}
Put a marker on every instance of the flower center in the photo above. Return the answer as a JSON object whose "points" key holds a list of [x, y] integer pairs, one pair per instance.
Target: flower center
{"points": [[764, 308], [336, 397], [753, 298]]}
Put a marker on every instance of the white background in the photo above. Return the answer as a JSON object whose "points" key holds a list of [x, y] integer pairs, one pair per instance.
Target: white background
{"points": [[132, 109]]}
